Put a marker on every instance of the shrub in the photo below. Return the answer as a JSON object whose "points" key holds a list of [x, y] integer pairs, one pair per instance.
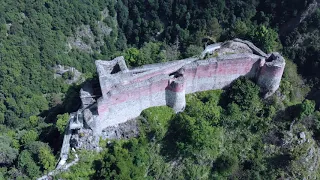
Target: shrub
{"points": [[158, 119], [226, 164], [307, 108], [245, 93], [62, 122], [29, 137]]}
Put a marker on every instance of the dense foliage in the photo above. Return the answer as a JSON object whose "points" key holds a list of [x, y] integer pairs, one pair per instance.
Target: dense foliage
{"points": [[212, 139], [221, 134]]}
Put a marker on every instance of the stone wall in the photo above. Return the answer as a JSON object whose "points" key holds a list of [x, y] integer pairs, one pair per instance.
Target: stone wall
{"points": [[126, 93]]}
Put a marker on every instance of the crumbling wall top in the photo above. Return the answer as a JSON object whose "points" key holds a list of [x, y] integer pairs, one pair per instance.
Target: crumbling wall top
{"points": [[115, 77], [254, 48], [275, 59], [106, 68]]}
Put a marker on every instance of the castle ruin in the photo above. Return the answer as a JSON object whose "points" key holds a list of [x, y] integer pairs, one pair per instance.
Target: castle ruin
{"points": [[124, 93]]}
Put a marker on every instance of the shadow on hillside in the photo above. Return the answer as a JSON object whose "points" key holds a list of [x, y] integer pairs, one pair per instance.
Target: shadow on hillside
{"points": [[314, 95], [170, 149], [71, 103], [279, 161]]}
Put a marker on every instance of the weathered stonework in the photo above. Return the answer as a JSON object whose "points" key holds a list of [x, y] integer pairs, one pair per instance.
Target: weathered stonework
{"points": [[125, 93], [271, 73]]}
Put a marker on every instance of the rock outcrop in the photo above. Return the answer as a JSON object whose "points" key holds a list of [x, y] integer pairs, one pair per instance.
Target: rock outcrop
{"points": [[60, 70]]}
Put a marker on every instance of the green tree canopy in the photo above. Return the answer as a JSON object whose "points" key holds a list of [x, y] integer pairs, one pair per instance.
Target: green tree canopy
{"points": [[193, 136], [265, 38], [27, 165], [28, 137], [62, 122], [307, 107], [131, 56], [245, 93], [8, 154], [46, 158]]}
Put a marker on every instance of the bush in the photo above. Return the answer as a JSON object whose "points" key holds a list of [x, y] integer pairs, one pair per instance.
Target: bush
{"points": [[226, 164], [62, 122], [245, 93], [158, 119], [26, 164], [46, 158], [307, 108], [195, 137], [193, 50], [7, 153], [28, 137], [68, 75]]}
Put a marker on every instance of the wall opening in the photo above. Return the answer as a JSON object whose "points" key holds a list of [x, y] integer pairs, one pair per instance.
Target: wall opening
{"points": [[116, 69], [176, 74], [271, 58], [96, 89]]}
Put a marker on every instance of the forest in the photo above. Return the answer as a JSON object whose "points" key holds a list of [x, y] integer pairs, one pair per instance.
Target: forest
{"points": [[223, 134]]}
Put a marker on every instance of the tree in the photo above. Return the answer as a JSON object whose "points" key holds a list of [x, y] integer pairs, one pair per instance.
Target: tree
{"points": [[29, 137], [54, 100], [265, 38], [226, 164], [234, 115], [240, 29], [1, 118], [27, 165], [7, 153], [150, 53], [125, 160], [33, 120], [307, 108], [158, 120], [193, 50], [46, 158], [245, 93], [62, 122], [213, 29], [195, 137], [171, 52], [88, 167], [122, 13], [131, 56], [68, 75]]}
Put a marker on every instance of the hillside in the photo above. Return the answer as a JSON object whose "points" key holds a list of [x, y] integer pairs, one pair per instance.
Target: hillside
{"points": [[229, 134]]}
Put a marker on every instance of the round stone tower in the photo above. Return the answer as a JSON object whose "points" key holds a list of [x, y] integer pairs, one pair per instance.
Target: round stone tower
{"points": [[176, 95], [270, 74]]}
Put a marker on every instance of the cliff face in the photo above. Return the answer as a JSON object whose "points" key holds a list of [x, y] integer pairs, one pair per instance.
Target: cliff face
{"points": [[125, 93]]}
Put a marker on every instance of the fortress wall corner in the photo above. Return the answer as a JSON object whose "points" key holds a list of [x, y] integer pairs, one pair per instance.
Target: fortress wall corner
{"points": [[106, 71], [271, 73]]}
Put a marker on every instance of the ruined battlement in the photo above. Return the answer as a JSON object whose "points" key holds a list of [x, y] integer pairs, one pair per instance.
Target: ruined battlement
{"points": [[127, 92]]}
